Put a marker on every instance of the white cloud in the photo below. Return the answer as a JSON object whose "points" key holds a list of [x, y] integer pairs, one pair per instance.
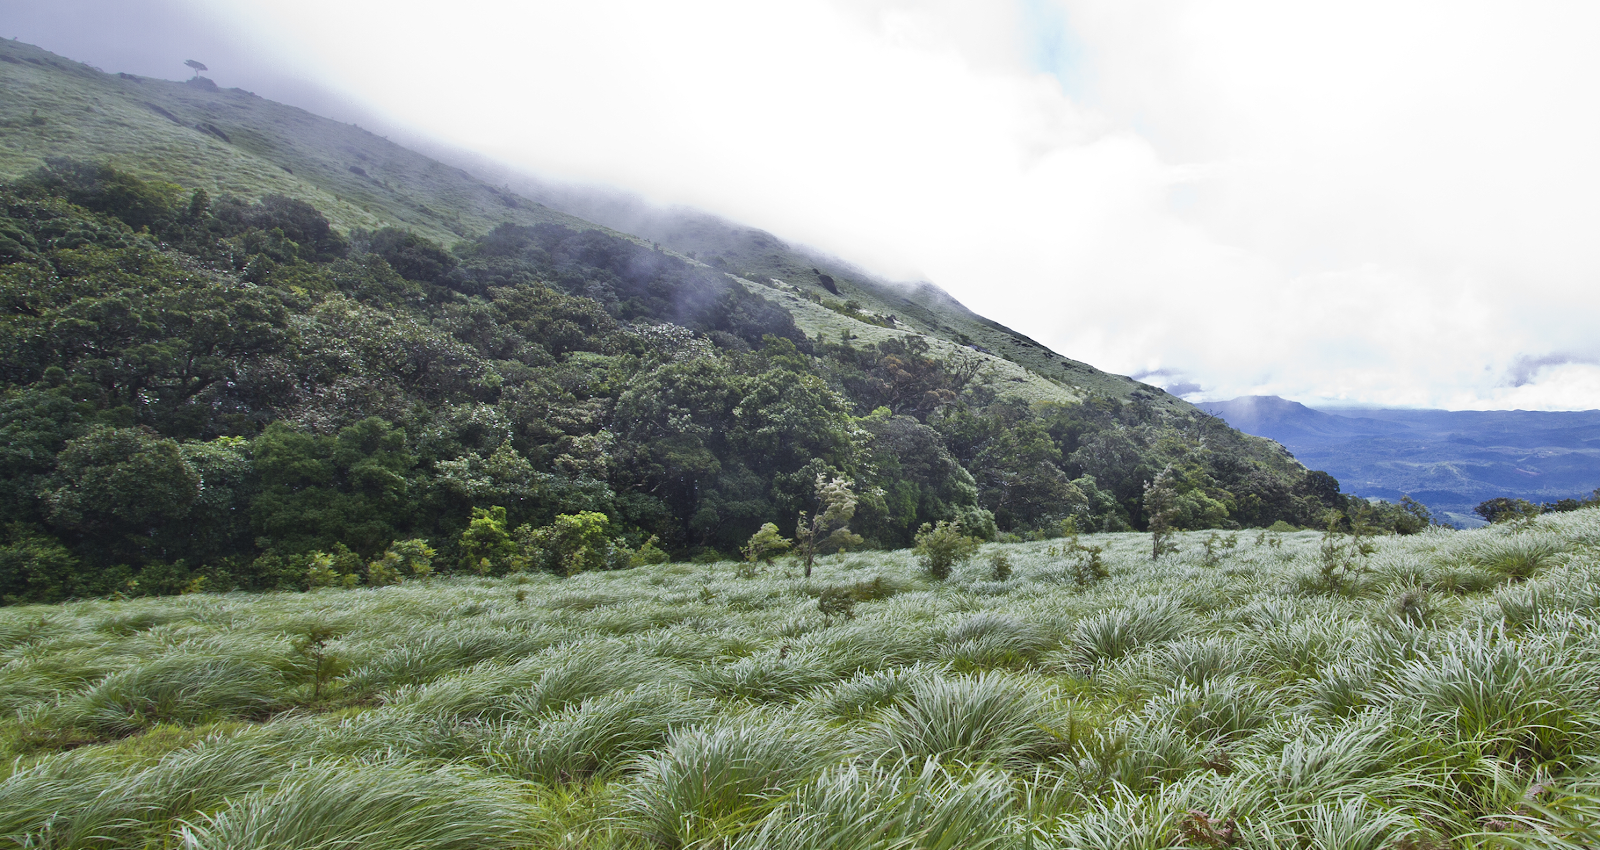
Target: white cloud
{"points": [[1379, 202]]}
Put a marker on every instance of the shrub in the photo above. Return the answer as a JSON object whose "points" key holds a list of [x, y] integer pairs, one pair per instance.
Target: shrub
{"points": [[403, 557], [572, 544], [766, 544], [1000, 565], [836, 601], [940, 547], [649, 553]]}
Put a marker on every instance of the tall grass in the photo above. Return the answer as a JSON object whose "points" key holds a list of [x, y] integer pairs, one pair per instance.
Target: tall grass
{"points": [[378, 806], [987, 718], [1449, 697], [720, 778]]}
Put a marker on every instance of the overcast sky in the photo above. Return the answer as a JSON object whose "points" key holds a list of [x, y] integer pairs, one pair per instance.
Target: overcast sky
{"points": [[1387, 203]]}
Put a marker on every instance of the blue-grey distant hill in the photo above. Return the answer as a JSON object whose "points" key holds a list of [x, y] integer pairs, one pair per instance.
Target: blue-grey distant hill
{"points": [[1449, 460]]}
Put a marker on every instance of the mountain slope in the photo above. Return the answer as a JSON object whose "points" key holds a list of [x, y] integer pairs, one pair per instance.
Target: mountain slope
{"points": [[230, 356], [1449, 460], [230, 141], [756, 254]]}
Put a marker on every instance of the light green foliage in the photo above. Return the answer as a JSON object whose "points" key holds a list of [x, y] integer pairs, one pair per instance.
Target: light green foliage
{"points": [[321, 572], [404, 558], [486, 546], [828, 530], [649, 554], [572, 544], [766, 544], [941, 547]]}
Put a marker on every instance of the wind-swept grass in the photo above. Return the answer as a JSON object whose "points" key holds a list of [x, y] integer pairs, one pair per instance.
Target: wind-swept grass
{"points": [[1448, 698], [716, 779], [987, 718], [378, 806]]}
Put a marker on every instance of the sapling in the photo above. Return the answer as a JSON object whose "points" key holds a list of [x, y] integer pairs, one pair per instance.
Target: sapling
{"points": [[940, 547]]}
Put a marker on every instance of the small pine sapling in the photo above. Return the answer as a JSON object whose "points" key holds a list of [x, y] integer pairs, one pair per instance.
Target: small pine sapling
{"points": [[837, 601], [1000, 565], [1088, 566], [1161, 505]]}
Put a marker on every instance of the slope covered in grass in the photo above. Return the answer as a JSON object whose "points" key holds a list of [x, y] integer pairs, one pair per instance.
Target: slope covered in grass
{"points": [[1253, 690], [229, 141]]}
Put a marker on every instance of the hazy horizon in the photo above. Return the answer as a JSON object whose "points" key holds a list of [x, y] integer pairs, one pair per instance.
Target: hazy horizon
{"points": [[1374, 205]]}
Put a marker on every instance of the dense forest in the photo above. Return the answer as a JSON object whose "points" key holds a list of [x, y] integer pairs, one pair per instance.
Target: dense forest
{"points": [[212, 393]]}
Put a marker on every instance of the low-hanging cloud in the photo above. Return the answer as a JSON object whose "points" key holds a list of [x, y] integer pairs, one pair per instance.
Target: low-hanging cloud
{"points": [[1525, 369], [1363, 202]]}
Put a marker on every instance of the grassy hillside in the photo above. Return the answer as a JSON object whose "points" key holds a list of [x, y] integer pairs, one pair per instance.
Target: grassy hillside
{"points": [[229, 141], [1249, 690]]}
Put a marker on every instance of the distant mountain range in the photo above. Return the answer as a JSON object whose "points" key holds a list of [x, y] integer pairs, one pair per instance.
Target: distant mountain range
{"points": [[1449, 460]]}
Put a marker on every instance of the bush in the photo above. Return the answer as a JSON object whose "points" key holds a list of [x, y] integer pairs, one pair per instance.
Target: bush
{"points": [[943, 546], [572, 544], [766, 544]]}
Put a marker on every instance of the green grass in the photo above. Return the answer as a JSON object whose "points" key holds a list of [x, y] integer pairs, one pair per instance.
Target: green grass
{"points": [[1177, 703]]}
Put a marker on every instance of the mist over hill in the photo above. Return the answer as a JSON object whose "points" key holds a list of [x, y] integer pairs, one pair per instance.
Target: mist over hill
{"points": [[245, 346], [1448, 460]]}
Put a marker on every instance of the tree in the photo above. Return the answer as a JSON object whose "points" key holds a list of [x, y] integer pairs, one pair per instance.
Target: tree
{"points": [[112, 482], [1503, 509], [766, 544], [829, 529], [1161, 506], [572, 544]]}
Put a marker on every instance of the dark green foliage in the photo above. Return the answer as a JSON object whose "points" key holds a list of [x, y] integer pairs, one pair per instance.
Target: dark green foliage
{"points": [[412, 256], [1503, 509], [224, 393], [294, 220], [103, 189]]}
